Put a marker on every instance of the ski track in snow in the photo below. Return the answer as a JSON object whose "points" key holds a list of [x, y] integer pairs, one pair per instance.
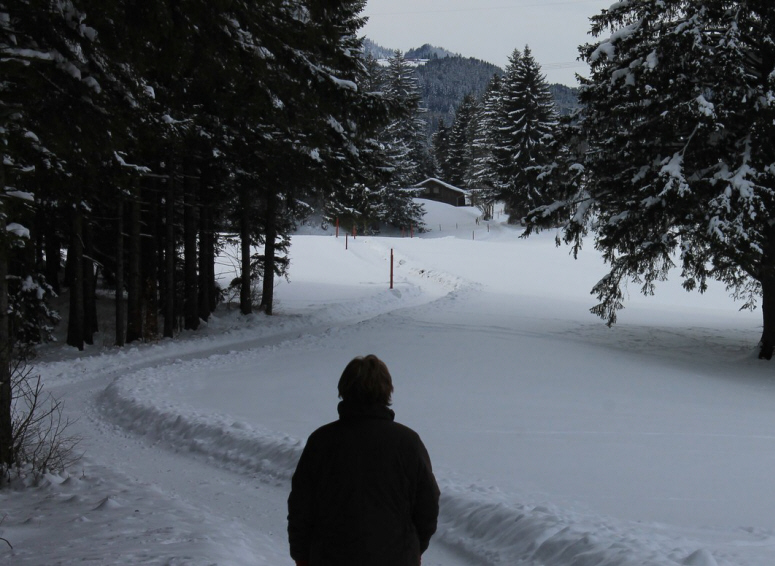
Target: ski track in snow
{"points": [[127, 405]]}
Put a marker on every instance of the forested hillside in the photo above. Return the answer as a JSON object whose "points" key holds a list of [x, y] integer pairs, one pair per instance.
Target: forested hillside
{"points": [[444, 82], [566, 99], [445, 78], [376, 51]]}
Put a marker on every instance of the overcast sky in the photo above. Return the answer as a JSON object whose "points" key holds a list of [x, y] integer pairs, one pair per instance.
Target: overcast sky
{"points": [[490, 29]]}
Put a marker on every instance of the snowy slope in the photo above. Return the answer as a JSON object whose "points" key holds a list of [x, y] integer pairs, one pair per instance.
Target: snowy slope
{"points": [[556, 440]]}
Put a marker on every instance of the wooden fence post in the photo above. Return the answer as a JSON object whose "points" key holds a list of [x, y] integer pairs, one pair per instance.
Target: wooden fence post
{"points": [[391, 268]]}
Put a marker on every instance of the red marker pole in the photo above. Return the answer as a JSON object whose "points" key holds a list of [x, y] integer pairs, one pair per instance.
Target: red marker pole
{"points": [[391, 268], [337, 227]]}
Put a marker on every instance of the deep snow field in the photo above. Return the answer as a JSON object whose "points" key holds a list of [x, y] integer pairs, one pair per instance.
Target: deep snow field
{"points": [[555, 439]]}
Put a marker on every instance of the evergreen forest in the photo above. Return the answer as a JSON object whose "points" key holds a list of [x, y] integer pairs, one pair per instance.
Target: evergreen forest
{"points": [[137, 138]]}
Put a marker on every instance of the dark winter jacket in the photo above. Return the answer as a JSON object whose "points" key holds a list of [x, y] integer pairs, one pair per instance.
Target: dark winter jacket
{"points": [[363, 493]]}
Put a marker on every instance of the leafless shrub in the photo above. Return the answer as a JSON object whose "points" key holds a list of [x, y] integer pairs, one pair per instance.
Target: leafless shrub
{"points": [[41, 438]]}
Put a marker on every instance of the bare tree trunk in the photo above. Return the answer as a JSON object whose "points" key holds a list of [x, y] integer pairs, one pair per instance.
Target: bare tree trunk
{"points": [[6, 426], [134, 314], [90, 325], [169, 257], [213, 295], [767, 343], [39, 237], [206, 255], [69, 269], [150, 269], [120, 321], [53, 255], [191, 300], [767, 280], [267, 294], [245, 298], [75, 320]]}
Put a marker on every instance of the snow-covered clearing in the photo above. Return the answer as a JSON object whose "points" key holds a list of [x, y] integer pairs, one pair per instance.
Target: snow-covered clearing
{"points": [[556, 440]]}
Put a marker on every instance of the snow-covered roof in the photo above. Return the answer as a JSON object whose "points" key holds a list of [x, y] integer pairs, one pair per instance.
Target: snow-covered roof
{"points": [[440, 182]]}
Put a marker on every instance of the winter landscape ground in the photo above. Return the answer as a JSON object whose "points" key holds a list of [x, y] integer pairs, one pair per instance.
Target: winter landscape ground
{"points": [[556, 440]]}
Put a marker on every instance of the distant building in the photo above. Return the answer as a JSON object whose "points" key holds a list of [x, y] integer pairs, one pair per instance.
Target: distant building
{"points": [[434, 189]]}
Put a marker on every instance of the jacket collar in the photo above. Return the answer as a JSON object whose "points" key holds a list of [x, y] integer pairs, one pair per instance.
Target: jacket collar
{"points": [[351, 410]]}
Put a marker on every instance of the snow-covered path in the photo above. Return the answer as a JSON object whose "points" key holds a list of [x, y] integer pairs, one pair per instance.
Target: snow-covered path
{"points": [[140, 500], [556, 440]]}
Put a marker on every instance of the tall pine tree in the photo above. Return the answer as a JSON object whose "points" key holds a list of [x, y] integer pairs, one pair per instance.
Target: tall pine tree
{"points": [[526, 137], [393, 153], [481, 177], [404, 137], [440, 149], [459, 152]]}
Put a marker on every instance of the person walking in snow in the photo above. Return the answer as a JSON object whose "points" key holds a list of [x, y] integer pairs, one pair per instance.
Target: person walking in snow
{"points": [[363, 493]]}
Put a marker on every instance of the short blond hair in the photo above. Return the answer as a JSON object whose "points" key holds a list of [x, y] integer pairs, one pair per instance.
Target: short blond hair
{"points": [[366, 379]]}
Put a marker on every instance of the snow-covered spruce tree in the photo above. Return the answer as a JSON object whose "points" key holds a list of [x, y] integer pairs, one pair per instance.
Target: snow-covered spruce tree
{"points": [[355, 204], [391, 153], [563, 185], [440, 150], [680, 118], [405, 136], [405, 145], [526, 136], [481, 175], [352, 207], [398, 208], [459, 150]]}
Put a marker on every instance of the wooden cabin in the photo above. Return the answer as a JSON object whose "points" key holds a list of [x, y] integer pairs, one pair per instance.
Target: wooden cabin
{"points": [[435, 189]]}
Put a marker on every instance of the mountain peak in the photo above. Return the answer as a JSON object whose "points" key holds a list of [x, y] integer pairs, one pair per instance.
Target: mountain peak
{"points": [[429, 51], [426, 51]]}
